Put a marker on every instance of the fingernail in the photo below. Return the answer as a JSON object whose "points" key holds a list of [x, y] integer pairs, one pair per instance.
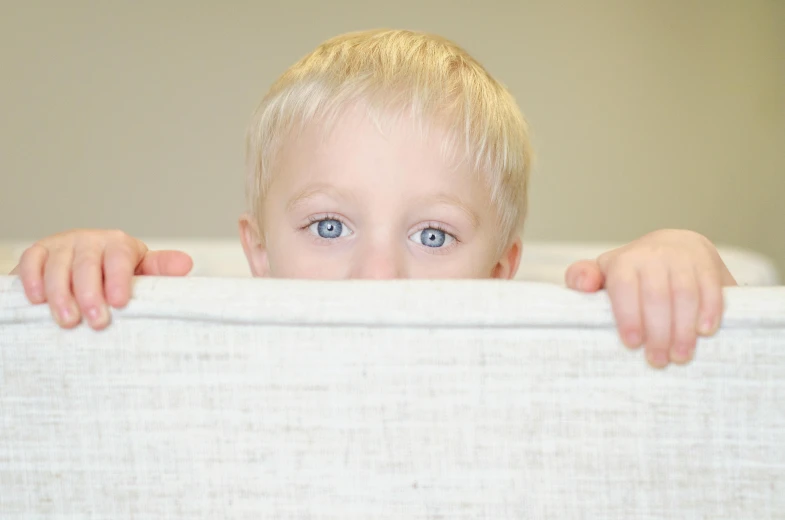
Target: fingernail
{"points": [[580, 281], [658, 358], [708, 326], [67, 314], [36, 293], [632, 339], [92, 314], [97, 315], [682, 352]]}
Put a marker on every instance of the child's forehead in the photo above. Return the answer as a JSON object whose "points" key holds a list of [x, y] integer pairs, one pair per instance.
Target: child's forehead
{"points": [[359, 133], [356, 155]]}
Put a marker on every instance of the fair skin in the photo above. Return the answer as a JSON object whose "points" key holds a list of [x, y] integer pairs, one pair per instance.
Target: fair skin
{"points": [[359, 203], [383, 193]]}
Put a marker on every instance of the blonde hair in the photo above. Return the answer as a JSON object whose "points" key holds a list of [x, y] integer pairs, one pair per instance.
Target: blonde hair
{"points": [[431, 77]]}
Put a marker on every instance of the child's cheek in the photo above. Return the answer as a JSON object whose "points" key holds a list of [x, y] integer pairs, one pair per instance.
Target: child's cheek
{"points": [[306, 261], [456, 265]]}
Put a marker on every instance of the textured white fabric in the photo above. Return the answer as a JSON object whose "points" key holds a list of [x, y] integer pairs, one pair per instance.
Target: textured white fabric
{"points": [[247, 399], [541, 262]]}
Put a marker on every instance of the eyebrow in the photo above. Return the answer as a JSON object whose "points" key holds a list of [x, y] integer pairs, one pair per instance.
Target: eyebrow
{"points": [[312, 191], [446, 198]]}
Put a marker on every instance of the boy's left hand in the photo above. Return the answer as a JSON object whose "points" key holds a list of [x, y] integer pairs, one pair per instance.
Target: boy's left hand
{"points": [[665, 290]]}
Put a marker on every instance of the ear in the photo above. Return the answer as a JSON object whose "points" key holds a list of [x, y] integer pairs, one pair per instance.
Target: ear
{"points": [[255, 252], [509, 261]]}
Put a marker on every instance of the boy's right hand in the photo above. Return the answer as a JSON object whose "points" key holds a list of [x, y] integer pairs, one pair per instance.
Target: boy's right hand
{"points": [[83, 272]]}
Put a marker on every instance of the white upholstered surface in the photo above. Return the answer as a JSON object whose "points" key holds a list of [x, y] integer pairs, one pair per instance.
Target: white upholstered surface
{"points": [[244, 398], [541, 262]]}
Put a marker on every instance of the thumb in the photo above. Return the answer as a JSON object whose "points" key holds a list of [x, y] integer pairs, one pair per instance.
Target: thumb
{"points": [[165, 263], [584, 276]]}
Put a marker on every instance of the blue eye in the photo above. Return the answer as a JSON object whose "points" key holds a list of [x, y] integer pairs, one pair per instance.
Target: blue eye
{"points": [[432, 237], [329, 228]]}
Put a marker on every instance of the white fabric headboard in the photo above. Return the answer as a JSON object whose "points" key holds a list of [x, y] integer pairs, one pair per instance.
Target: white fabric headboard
{"points": [[245, 398]]}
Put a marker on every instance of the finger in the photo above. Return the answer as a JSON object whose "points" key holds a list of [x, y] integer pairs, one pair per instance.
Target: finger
{"points": [[685, 295], [31, 272], [606, 260], [711, 302], [88, 282], [121, 259], [57, 285], [623, 288], [165, 263], [657, 314], [585, 276]]}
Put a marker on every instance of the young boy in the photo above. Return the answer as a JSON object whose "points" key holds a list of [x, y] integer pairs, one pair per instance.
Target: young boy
{"points": [[393, 154]]}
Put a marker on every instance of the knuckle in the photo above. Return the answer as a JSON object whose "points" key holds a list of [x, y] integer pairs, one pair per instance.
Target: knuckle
{"points": [[86, 258], [59, 248], [88, 298], [59, 299], [685, 293], [657, 295], [626, 256], [86, 239], [608, 258], [699, 238], [120, 256], [117, 236], [618, 269]]}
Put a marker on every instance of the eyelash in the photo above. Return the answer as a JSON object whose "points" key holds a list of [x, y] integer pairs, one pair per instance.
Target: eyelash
{"points": [[434, 225], [318, 218], [438, 250]]}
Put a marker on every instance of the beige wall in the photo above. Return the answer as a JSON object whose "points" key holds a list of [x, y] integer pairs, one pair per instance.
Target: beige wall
{"points": [[645, 114]]}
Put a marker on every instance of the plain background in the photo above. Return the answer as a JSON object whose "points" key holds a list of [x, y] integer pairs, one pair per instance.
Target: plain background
{"points": [[645, 114]]}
